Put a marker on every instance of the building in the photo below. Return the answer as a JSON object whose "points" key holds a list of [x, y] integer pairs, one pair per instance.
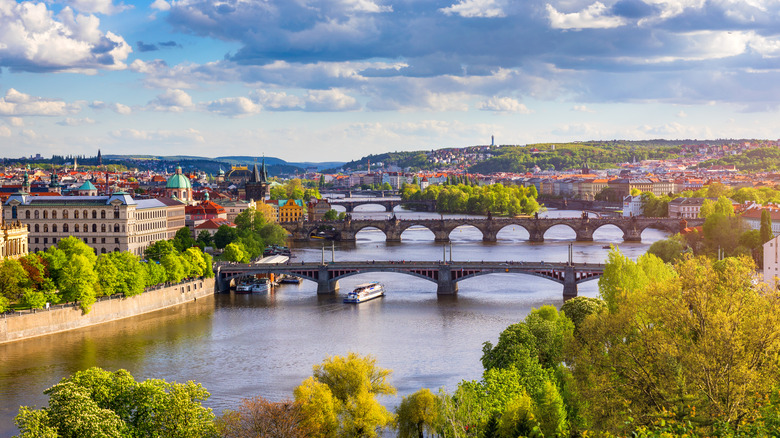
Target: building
{"points": [[752, 218], [105, 223], [206, 210], [13, 238], [289, 210], [772, 262], [317, 209], [179, 186], [632, 206], [686, 208], [211, 226], [256, 187]]}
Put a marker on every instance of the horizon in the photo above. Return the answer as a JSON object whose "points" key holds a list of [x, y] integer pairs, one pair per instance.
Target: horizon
{"points": [[327, 80]]}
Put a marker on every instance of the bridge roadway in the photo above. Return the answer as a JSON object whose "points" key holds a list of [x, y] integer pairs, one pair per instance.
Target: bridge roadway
{"points": [[446, 275], [536, 227]]}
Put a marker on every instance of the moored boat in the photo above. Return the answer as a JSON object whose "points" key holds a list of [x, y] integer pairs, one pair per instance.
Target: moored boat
{"points": [[365, 292], [290, 279], [244, 288], [260, 285]]}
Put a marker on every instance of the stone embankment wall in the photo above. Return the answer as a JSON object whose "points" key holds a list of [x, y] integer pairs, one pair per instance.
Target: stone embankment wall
{"points": [[58, 319]]}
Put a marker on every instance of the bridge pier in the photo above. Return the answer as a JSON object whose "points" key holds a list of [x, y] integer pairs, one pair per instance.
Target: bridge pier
{"points": [[445, 284], [324, 284], [569, 283], [632, 235], [441, 236], [535, 235], [584, 235], [489, 235]]}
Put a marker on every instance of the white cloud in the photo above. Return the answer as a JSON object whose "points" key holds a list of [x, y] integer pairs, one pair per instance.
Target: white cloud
{"points": [[365, 6], [76, 122], [19, 104], [594, 17], [17, 122], [475, 9], [5, 131], [503, 104], [233, 107], [106, 7], [160, 5], [279, 101], [682, 114], [32, 39], [120, 108], [171, 100], [330, 100]]}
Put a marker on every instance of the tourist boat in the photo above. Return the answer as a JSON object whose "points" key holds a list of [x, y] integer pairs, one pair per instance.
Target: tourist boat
{"points": [[365, 292], [290, 279], [244, 287], [260, 285]]}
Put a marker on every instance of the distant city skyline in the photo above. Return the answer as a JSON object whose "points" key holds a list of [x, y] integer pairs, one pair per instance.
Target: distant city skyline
{"points": [[335, 80]]}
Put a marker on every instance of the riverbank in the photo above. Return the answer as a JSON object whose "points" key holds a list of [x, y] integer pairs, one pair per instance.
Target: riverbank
{"points": [[15, 327]]}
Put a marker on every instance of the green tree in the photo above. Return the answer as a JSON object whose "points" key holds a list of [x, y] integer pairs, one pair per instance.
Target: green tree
{"points": [[418, 413], [205, 238], [197, 263], [234, 252], [183, 239], [99, 403], [131, 275], [225, 235], [13, 279], [330, 215], [766, 226], [579, 308], [73, 245], [33, 299], [320, 408], [158, 249], [77, 281], [668, 250], [107, 275], [174, 269]]}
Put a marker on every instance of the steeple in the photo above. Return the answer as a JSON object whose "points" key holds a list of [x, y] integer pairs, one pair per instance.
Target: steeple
{"points": [[99, 159], [263, 173], [255, 177], [26, 183]]}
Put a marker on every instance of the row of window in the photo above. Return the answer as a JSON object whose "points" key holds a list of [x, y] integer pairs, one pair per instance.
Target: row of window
{"points": [[102, 250], [76, 228], [86, 240], [36, 214]]}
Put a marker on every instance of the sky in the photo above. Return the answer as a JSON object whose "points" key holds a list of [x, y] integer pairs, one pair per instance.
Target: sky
{"points": [[335, 80]]}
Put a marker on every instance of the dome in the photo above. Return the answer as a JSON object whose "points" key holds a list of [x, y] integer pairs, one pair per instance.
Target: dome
{"points": [[178, 181]]}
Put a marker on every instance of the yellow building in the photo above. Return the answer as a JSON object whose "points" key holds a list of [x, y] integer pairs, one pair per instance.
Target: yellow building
{"points": [[13, 238], [290, 210]]}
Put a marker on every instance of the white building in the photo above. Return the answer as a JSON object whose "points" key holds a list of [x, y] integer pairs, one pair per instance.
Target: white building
{"points": [[632, 206], [772, 262]]}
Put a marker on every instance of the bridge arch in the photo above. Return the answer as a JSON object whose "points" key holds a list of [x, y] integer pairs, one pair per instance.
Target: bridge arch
{"points": [[513, 232], [559, 225]]}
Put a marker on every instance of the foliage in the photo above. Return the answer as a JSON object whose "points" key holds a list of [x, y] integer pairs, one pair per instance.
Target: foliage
{"points": [[174, 269], [258, 417], [462, 198], [99, 403], [579, 308], [235, 252], [668, 250], [77, 281], [417, 414], [766, 227], [183, 239], [225, 235], [158, 249], [700, 346], [353, 383], [653, 206], [320, 408], [13, 278]]}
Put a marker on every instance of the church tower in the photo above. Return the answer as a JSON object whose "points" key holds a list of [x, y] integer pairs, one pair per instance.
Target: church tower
{"points": [[257, 186]]}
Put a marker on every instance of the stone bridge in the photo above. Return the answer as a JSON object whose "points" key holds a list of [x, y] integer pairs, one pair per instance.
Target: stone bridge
{"points": [[388, 203], [446, 275], [583, 227]]}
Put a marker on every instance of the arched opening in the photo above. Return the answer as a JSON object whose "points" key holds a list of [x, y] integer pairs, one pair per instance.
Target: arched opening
{"points": [[608, 233], [369, 208], [560, 232], [323, 232], [650, 235], [370, 234], [466, 233], [417, 233], [512, 233]]}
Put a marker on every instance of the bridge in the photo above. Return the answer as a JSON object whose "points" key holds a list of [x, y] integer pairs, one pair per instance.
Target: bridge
{"points": [[583, 227], [388, 203], [446, 275]]}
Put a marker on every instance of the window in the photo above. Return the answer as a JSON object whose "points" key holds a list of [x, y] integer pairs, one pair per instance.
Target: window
{"points": [[45, 240], [116, 240], [54, 214], [64, 228], [45, 228], [102, 250], [116, 212], [26, 213], [54, 228], [102, 240], [37, 214], [102, 214], [102, 228], [75, 214], [85, 214], [64, 214], [94, 228], [75, 228], [86, 228], [13, 212], [94, 240], [36, 241], [45, 214], [94, 214], [37, 228], [116, 228]]}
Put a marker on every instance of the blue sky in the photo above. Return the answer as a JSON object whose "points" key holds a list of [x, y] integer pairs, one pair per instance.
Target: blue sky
{"points": [[339, 79]]}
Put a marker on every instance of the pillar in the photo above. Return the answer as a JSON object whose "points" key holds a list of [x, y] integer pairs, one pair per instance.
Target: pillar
{"points": [[324, 284], [569, 283], [632, 235], [446, 286], [584, 234], [535, 235]]}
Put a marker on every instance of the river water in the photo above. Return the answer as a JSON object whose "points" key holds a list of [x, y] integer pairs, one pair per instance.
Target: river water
{"points": [[241, 346]]}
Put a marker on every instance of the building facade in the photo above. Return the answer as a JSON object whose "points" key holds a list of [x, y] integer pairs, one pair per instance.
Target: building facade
{"points": [[13, 238]]}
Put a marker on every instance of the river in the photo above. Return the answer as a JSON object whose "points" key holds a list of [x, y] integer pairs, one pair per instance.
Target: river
{"points": [[241, 346]]}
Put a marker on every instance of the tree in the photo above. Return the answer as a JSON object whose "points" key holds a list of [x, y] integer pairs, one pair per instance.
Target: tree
{"points": [[698, 348], [320, 408], [99, 403], [183, 239], [197, 263], [205, 238], [73, 245], [131, 278], [766, 227], [579, 308], [174, 269], [107, 275], [354, 381], [258, 417], [418, 413], [330, 215], [158, 249], [234, 252], [77, 282], [668, 250], [225, 235], [13, 279]]}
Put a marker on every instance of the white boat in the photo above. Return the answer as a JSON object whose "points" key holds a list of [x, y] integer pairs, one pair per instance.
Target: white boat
{"points": [[365, 292], [260, 285], [244, 287]]}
